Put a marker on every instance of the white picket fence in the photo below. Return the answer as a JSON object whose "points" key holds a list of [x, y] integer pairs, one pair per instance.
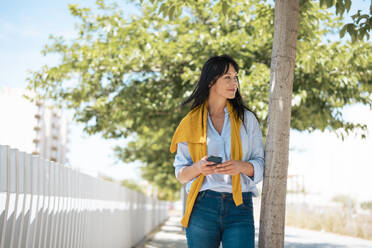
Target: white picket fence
{"points": [[45, 204]]}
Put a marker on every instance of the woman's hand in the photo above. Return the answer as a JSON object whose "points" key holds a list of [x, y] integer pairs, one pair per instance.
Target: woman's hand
{"points": [[203, 168], [231, 167]]}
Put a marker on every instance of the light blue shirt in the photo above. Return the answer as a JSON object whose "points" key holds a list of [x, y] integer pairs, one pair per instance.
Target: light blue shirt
{"points": [[220, 145]]}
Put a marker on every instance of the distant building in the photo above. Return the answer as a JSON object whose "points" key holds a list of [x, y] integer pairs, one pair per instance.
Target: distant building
{"points": [[33, 127]]}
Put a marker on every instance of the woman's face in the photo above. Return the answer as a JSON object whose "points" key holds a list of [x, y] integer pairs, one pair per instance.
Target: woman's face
{"points": [[227, 85]]}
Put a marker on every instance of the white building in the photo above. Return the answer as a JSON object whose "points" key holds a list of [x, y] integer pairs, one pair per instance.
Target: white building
{"points": [[32, 127]]}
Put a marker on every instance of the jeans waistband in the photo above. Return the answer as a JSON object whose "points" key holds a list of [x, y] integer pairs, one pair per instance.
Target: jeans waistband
{"points": [[225, 195]]}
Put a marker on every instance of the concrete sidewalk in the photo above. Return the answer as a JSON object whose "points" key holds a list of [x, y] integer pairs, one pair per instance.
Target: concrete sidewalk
{"points": [[168, 235], [171, 235]]}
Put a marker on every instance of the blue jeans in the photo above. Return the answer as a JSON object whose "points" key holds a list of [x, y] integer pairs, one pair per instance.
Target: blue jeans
{"points": [[215, 218]]}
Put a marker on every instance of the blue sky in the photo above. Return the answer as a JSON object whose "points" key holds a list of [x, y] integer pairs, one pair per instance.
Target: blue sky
{"points": [[24, 30]]}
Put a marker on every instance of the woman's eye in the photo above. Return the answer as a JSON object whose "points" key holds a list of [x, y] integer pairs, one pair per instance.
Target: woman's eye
{"points": [[228, 77]]}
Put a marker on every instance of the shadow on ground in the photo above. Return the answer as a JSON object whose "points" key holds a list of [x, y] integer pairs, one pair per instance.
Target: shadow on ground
{"points": [[171, 235]]}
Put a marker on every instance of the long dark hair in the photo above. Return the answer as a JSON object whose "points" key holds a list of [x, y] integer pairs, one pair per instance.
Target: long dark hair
{"points": [[213, 69]]}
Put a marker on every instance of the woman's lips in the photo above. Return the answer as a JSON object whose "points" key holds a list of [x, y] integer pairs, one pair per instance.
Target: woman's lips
{"points": [[233, 90]]}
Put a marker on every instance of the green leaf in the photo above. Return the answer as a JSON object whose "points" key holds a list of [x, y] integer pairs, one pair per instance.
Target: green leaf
{"points": [[367, 34], [171, 12], [162, 9], [354, 36], [340, 7], [350, 28], [342, 32], [347, 5], [329, 3], [356, 15], [225, 7]]}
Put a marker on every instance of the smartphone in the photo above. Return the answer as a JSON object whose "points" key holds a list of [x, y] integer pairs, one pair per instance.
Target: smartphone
{"points": [[215, 159]]}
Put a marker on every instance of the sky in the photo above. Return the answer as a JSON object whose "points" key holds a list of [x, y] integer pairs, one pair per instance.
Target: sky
{"points": [[336, 167], [24, 30]]}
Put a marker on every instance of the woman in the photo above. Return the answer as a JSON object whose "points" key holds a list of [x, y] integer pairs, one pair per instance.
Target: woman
{"points": [[219, 203]]}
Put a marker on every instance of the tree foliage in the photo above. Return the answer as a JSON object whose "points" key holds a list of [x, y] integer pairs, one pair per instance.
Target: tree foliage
{"points": [[362, 23], [125, 76], [131, 184], [367, 205], [358, 29]]}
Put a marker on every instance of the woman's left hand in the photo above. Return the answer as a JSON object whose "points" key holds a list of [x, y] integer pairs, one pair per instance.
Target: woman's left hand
{"points": [[231, 167]]}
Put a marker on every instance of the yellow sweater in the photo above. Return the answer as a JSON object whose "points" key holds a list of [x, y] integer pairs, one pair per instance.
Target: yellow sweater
{"points": [[190, 130]]}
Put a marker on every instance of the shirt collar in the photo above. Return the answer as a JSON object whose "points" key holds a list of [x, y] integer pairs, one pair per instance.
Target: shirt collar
{"points": [[226, 111]]}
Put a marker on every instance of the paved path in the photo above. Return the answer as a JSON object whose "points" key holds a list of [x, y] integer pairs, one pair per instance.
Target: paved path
{"points": [[171, 235]]}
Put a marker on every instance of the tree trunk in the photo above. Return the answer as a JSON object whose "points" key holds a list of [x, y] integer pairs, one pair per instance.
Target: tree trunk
{"points": [[272, 219]]}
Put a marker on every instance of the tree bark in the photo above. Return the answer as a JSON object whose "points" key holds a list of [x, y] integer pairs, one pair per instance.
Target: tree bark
{"points": [[273, 203]]}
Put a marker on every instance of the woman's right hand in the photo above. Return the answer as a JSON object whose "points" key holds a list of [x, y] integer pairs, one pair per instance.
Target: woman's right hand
{"points": [[203, 168]]}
